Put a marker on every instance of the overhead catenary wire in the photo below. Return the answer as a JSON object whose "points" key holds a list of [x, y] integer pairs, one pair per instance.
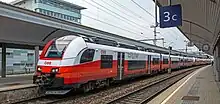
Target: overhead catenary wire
{"points": [[123, 12], [162, 34], [175, 37], [125, 8], [175, 33], [105, 11], [134, 26], [108, 24], [111, 13], [128, 10], [128, 28], [167, 32], [143, 9], [120, 15]]}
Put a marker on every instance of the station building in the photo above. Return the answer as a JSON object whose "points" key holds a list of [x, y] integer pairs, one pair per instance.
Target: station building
{"points": [[54, 8]]}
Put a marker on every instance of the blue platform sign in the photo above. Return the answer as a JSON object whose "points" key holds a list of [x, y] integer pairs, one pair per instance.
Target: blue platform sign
{"points": [[170, 16]]}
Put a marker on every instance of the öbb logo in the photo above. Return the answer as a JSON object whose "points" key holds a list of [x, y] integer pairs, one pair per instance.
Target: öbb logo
{"points": [[47, 63]]}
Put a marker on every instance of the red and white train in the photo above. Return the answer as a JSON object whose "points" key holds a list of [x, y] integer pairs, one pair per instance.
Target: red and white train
{"points": [[72, 62]]}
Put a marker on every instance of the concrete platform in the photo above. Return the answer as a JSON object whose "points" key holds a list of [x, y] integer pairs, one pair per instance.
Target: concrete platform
{"points": [[12, 82], [15, 88], [198, 87]]}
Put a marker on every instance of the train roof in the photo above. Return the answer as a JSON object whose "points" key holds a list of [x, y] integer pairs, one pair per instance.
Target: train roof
{"points": [[99, 43], [118, 49]]}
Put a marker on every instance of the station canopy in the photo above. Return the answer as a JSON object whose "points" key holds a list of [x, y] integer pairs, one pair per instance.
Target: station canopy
{"points": [[20, 27], [200, 22], [24, 27]]}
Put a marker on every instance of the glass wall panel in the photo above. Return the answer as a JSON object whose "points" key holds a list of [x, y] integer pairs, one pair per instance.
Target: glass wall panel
{"points": [[61, 5], [19, 61]]}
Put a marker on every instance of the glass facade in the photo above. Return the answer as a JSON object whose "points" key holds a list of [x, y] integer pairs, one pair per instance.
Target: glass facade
{"points": [[54, 3], [58, 9], [19, 61], [54, 8], [57, 15]]}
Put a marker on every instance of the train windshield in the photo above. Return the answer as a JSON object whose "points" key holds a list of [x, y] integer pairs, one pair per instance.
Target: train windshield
{"points": [[58, 47]]}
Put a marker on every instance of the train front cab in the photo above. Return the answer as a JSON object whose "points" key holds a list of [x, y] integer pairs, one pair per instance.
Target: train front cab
{"points": [[55, 66]]}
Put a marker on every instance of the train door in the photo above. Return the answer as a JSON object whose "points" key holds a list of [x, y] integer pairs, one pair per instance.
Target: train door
{"points": [[149, 64], [120, 70]]}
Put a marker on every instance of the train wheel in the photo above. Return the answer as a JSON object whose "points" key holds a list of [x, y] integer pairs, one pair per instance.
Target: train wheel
{"points": [[92, 85], [88, 87], [107, 83], [85, 88]]}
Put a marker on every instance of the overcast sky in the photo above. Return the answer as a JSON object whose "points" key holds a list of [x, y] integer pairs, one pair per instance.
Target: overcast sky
{"points": [[125, 18]]}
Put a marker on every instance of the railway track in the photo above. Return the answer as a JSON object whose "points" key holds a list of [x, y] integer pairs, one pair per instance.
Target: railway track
{"points": [[146, 93], [45, 100], [38, 100], [108, 95], [111, 95]]}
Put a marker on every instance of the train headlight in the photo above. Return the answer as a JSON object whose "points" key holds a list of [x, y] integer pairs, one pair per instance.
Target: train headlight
{"points": [[39, 69], [55, 70]]}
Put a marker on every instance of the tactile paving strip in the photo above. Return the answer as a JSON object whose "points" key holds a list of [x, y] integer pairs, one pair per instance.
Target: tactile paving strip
{"points": [[192, 96]]}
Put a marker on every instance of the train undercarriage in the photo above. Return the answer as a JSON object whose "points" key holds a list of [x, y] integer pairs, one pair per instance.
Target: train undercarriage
{"points": [[51, 85]]}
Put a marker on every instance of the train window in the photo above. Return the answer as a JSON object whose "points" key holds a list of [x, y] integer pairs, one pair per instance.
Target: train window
{"points": [[174, 62], [57, 49], [136, 64], [54, 51], [106, 61], [156, 61], [38, 1], [87, 55], [165, 61]]}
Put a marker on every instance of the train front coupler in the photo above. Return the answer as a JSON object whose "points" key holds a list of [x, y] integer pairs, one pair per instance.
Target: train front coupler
{"points": [[43, 81]]}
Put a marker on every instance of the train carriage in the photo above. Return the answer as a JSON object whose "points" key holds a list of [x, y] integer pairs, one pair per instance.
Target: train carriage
{"points": [[155, 63], [72, 62], [181, 61], [165, 62], [174, 62]]}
